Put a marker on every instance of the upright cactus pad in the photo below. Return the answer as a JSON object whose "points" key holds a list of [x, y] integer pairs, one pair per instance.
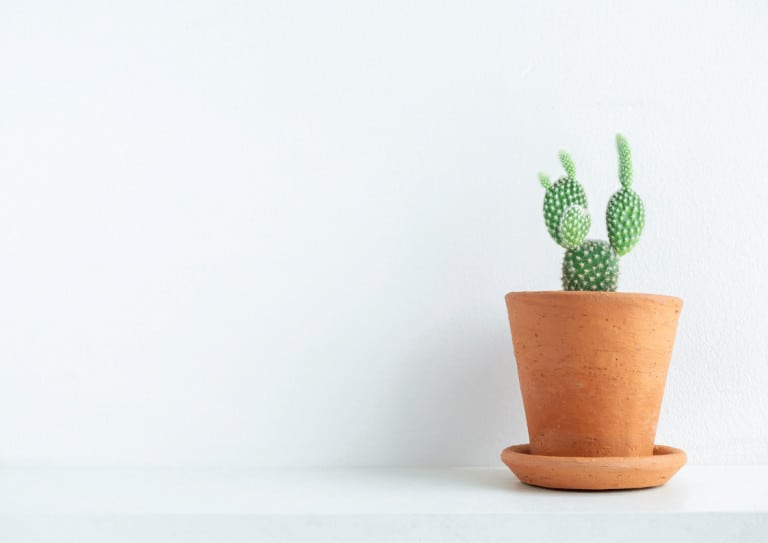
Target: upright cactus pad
{"points": [[592, 264], [625, 216], [559, 198], [625, 161], [574, 226], [568, 166]]}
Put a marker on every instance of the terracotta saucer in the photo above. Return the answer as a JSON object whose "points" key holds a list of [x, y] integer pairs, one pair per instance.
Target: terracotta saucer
{"points": [[594, 473]]}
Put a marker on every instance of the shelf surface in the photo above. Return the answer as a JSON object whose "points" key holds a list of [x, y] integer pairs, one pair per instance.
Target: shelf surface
{"points": [[458, 504]]}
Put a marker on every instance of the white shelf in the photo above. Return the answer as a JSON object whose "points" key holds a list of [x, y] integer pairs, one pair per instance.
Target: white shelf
{"points": [[373, 505]]}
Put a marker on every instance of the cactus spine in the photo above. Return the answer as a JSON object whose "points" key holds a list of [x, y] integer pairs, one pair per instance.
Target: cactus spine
{"points": [[592, 264]]}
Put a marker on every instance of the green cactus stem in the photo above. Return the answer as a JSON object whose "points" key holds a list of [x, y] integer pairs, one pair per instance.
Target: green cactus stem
{"points": [[594, 265], [625, 216]]}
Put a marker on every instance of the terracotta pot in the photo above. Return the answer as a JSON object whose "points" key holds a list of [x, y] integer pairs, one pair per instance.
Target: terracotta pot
{"points": [[592, 369]]}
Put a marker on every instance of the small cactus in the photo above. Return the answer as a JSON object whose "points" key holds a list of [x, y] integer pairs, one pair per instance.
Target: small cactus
{"points": [[592, 264]]}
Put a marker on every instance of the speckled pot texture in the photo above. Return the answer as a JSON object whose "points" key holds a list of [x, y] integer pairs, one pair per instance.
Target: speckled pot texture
{"points": [[592, 369]]}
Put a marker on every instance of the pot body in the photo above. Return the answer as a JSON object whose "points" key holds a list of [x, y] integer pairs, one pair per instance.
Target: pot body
{"points": [[592, 368]]}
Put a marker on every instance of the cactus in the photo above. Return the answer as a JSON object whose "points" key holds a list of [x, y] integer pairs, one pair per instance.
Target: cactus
{"points": [[592, 264]]}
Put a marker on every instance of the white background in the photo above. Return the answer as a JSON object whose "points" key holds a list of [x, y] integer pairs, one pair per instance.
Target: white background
{"points": [[279, 233]]}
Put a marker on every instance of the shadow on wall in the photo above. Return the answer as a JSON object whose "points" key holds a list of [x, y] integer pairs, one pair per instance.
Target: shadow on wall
{"points": [[458, 401]]}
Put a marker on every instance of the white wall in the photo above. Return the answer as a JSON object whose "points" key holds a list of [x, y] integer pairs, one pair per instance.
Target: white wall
{"points": [[280, 233]]}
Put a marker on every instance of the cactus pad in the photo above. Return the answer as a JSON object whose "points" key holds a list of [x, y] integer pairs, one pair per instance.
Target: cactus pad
{"points": [[560, 196], [625, 161], [568, 166], [574, 226], [594, 265], [625, 218]]}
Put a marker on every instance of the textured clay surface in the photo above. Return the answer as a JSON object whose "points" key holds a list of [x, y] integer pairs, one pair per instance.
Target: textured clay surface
{"points": [[592, 369], [604, 473]]}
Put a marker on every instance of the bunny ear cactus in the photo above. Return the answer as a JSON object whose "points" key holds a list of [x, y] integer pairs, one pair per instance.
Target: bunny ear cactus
{"points": [[592, 264]]}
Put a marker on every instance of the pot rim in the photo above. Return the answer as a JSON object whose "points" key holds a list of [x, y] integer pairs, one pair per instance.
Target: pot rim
{"points": [[594, 294]]}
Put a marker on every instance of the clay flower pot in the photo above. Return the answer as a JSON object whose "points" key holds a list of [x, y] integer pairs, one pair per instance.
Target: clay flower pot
{"points": [[592, 369]]}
